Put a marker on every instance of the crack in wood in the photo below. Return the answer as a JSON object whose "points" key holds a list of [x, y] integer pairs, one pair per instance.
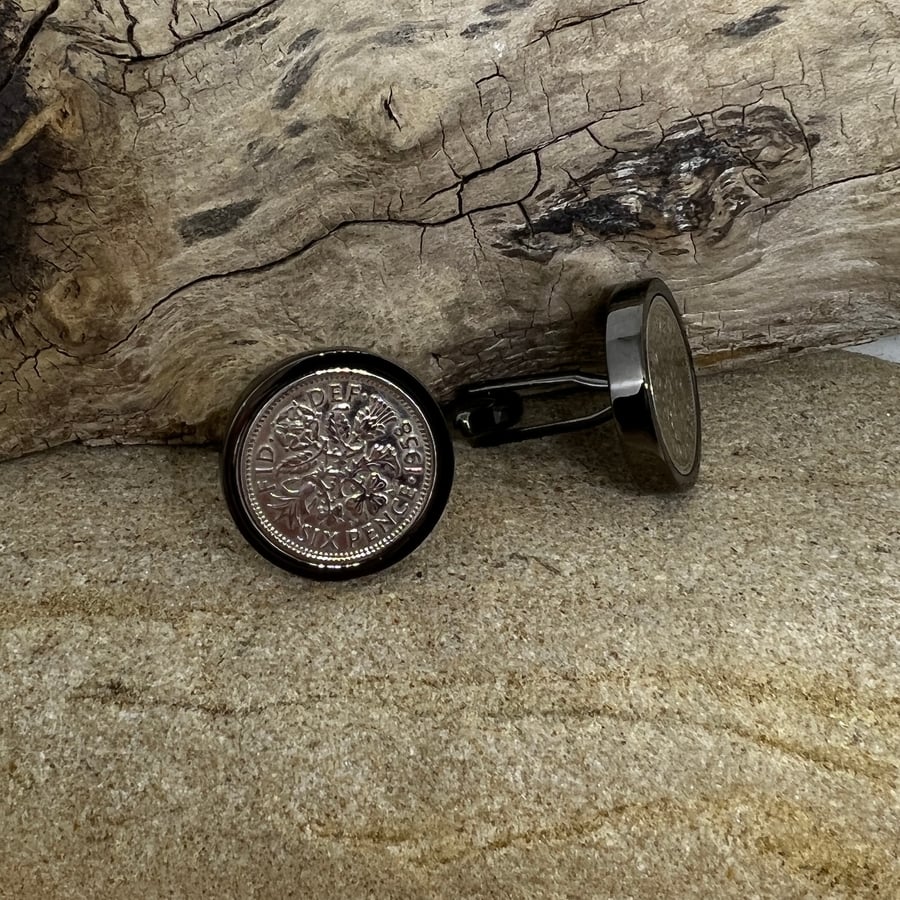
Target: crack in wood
{"points": [[182, 42], [31, 32], [104, 239], [563, 24]]}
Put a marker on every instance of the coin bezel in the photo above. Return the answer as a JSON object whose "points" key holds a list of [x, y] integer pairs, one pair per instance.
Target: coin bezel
{"points": [[634, 405], [278, 379]]}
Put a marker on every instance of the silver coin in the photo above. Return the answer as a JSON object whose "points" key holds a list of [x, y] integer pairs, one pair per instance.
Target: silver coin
{"points": [[337, 467], [671, 379]]}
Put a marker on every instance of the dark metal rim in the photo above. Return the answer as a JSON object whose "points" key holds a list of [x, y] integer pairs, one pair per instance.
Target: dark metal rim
{"points": [[634, 407], [280, 376]]}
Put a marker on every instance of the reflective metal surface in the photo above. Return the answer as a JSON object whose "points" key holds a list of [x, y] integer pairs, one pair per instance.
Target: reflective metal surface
{"points": [[337, 467], [333, 470], [490, 412], [653, 386], [671, 376]]}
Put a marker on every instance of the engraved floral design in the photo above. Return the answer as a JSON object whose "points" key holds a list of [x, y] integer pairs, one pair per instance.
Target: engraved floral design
{"points": [[339, 463], [298, 429], [297, 426], [371, 497]]}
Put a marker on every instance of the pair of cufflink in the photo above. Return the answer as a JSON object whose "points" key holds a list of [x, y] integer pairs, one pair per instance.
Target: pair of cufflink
{"points": [[339, 463]]}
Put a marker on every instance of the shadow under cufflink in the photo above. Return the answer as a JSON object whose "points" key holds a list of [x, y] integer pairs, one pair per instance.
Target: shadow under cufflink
{"points": [[649, 392]]}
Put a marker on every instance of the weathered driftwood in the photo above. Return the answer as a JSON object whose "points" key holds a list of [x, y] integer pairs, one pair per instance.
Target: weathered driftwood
{"points": [[193, 190]]}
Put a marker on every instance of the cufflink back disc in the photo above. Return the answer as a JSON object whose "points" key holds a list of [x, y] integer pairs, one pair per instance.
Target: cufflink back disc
{"points": [[651, 384], [336, 464]]}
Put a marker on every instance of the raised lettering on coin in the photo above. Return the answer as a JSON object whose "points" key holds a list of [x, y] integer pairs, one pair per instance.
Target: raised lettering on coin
{"points": [[337, 467]]}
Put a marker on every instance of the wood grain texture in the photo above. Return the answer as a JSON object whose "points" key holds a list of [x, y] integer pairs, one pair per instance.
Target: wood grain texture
{"points": [[193, 191]]}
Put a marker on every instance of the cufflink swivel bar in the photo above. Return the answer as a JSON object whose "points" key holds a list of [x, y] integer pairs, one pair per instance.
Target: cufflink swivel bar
{"points": [[651, 385], [489, 413]]}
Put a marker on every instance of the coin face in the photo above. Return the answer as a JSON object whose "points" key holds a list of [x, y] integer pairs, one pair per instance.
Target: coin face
{"points": [[671, 376], [337, 467]]}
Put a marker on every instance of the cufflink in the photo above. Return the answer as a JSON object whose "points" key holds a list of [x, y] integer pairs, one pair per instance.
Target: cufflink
{"points": [[336, 464], [339, 463], [649, 388]]}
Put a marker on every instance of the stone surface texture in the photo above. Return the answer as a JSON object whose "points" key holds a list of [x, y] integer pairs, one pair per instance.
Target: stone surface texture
{"points": [[192, 191], [572, 690]]}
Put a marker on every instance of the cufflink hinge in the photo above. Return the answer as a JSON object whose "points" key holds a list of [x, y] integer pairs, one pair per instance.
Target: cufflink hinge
{"points": [[489, 413]]}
